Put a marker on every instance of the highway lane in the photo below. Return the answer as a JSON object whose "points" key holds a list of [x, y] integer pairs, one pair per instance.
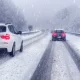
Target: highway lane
{"points": [[22, 66], [74, 54], [57, 64], [43, 71]]}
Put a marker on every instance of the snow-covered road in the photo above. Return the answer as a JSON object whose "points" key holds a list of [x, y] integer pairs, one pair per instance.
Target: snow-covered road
{"points": [[22, 66], [64, 67], [61, 65], [43, 60], [74, 41]]}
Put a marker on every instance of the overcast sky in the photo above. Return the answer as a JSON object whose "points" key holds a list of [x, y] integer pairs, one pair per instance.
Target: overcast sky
{"points": [[38, 11]]}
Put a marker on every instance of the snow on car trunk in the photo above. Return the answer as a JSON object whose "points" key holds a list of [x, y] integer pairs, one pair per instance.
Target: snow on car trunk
{"points": [[24, 65]]}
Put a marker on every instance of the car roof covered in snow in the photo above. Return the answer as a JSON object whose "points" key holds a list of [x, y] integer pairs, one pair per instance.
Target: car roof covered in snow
{"points": [[4, 24]]}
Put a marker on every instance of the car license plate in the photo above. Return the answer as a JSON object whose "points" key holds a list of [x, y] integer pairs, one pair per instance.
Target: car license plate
{"points": [[59, 37]]}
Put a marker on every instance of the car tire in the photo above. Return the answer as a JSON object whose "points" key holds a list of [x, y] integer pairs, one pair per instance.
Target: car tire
{"points": [[64, 39], [53, 39], [21, 48], [12, 53]]}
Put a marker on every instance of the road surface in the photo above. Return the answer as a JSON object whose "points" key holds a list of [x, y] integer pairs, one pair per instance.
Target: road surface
{"points": [[60, 62], [43, 59]]}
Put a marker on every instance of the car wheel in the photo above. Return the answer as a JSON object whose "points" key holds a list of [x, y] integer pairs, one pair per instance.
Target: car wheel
{"points": [[21, 48], [12, 53], [53, 39], [65, 39]]}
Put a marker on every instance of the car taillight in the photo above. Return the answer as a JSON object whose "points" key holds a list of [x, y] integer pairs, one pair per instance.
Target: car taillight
{"points": [[6, 37], [54, 34], [63, 34]]}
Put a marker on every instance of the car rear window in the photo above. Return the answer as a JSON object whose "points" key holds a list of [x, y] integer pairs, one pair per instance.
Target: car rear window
{"points": [[59, 31], [2, 29]]}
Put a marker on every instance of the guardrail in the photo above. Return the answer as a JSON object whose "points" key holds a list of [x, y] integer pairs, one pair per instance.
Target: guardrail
{"points": [[28, 39], [73, 33], [30, 32]]}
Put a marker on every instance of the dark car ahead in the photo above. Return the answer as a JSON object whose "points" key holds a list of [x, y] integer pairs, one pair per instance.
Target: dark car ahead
{"points": [[58, 35]]}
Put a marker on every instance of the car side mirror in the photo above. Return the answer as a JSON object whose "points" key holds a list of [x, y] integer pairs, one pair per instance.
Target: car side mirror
{"points": [[19, 32]]}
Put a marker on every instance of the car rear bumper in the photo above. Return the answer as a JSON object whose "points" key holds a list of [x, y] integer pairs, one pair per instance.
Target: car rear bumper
{"points": [[3, 50], [59, 38], [6, 47]]}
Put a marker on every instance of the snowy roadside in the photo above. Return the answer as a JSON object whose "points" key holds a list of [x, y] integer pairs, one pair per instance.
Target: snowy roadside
{"points": [[23, 66], [33, 39], [27, 37], [74, 42]]}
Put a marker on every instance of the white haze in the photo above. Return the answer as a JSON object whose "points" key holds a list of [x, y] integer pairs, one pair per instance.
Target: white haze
{"points": [[40, 12]]}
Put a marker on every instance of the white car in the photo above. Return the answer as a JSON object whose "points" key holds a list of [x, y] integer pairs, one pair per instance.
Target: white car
{"points": [[10, 39]]}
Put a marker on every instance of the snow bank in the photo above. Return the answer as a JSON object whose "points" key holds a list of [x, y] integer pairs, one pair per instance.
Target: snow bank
{"points": [[22, 67], [27, 37], [33, 38], [75, 40]]}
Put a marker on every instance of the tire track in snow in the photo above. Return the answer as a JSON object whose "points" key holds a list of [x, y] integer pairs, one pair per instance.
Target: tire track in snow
{"points": [[56, 64], [59, 68], [43, 70], [73, 54]]}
